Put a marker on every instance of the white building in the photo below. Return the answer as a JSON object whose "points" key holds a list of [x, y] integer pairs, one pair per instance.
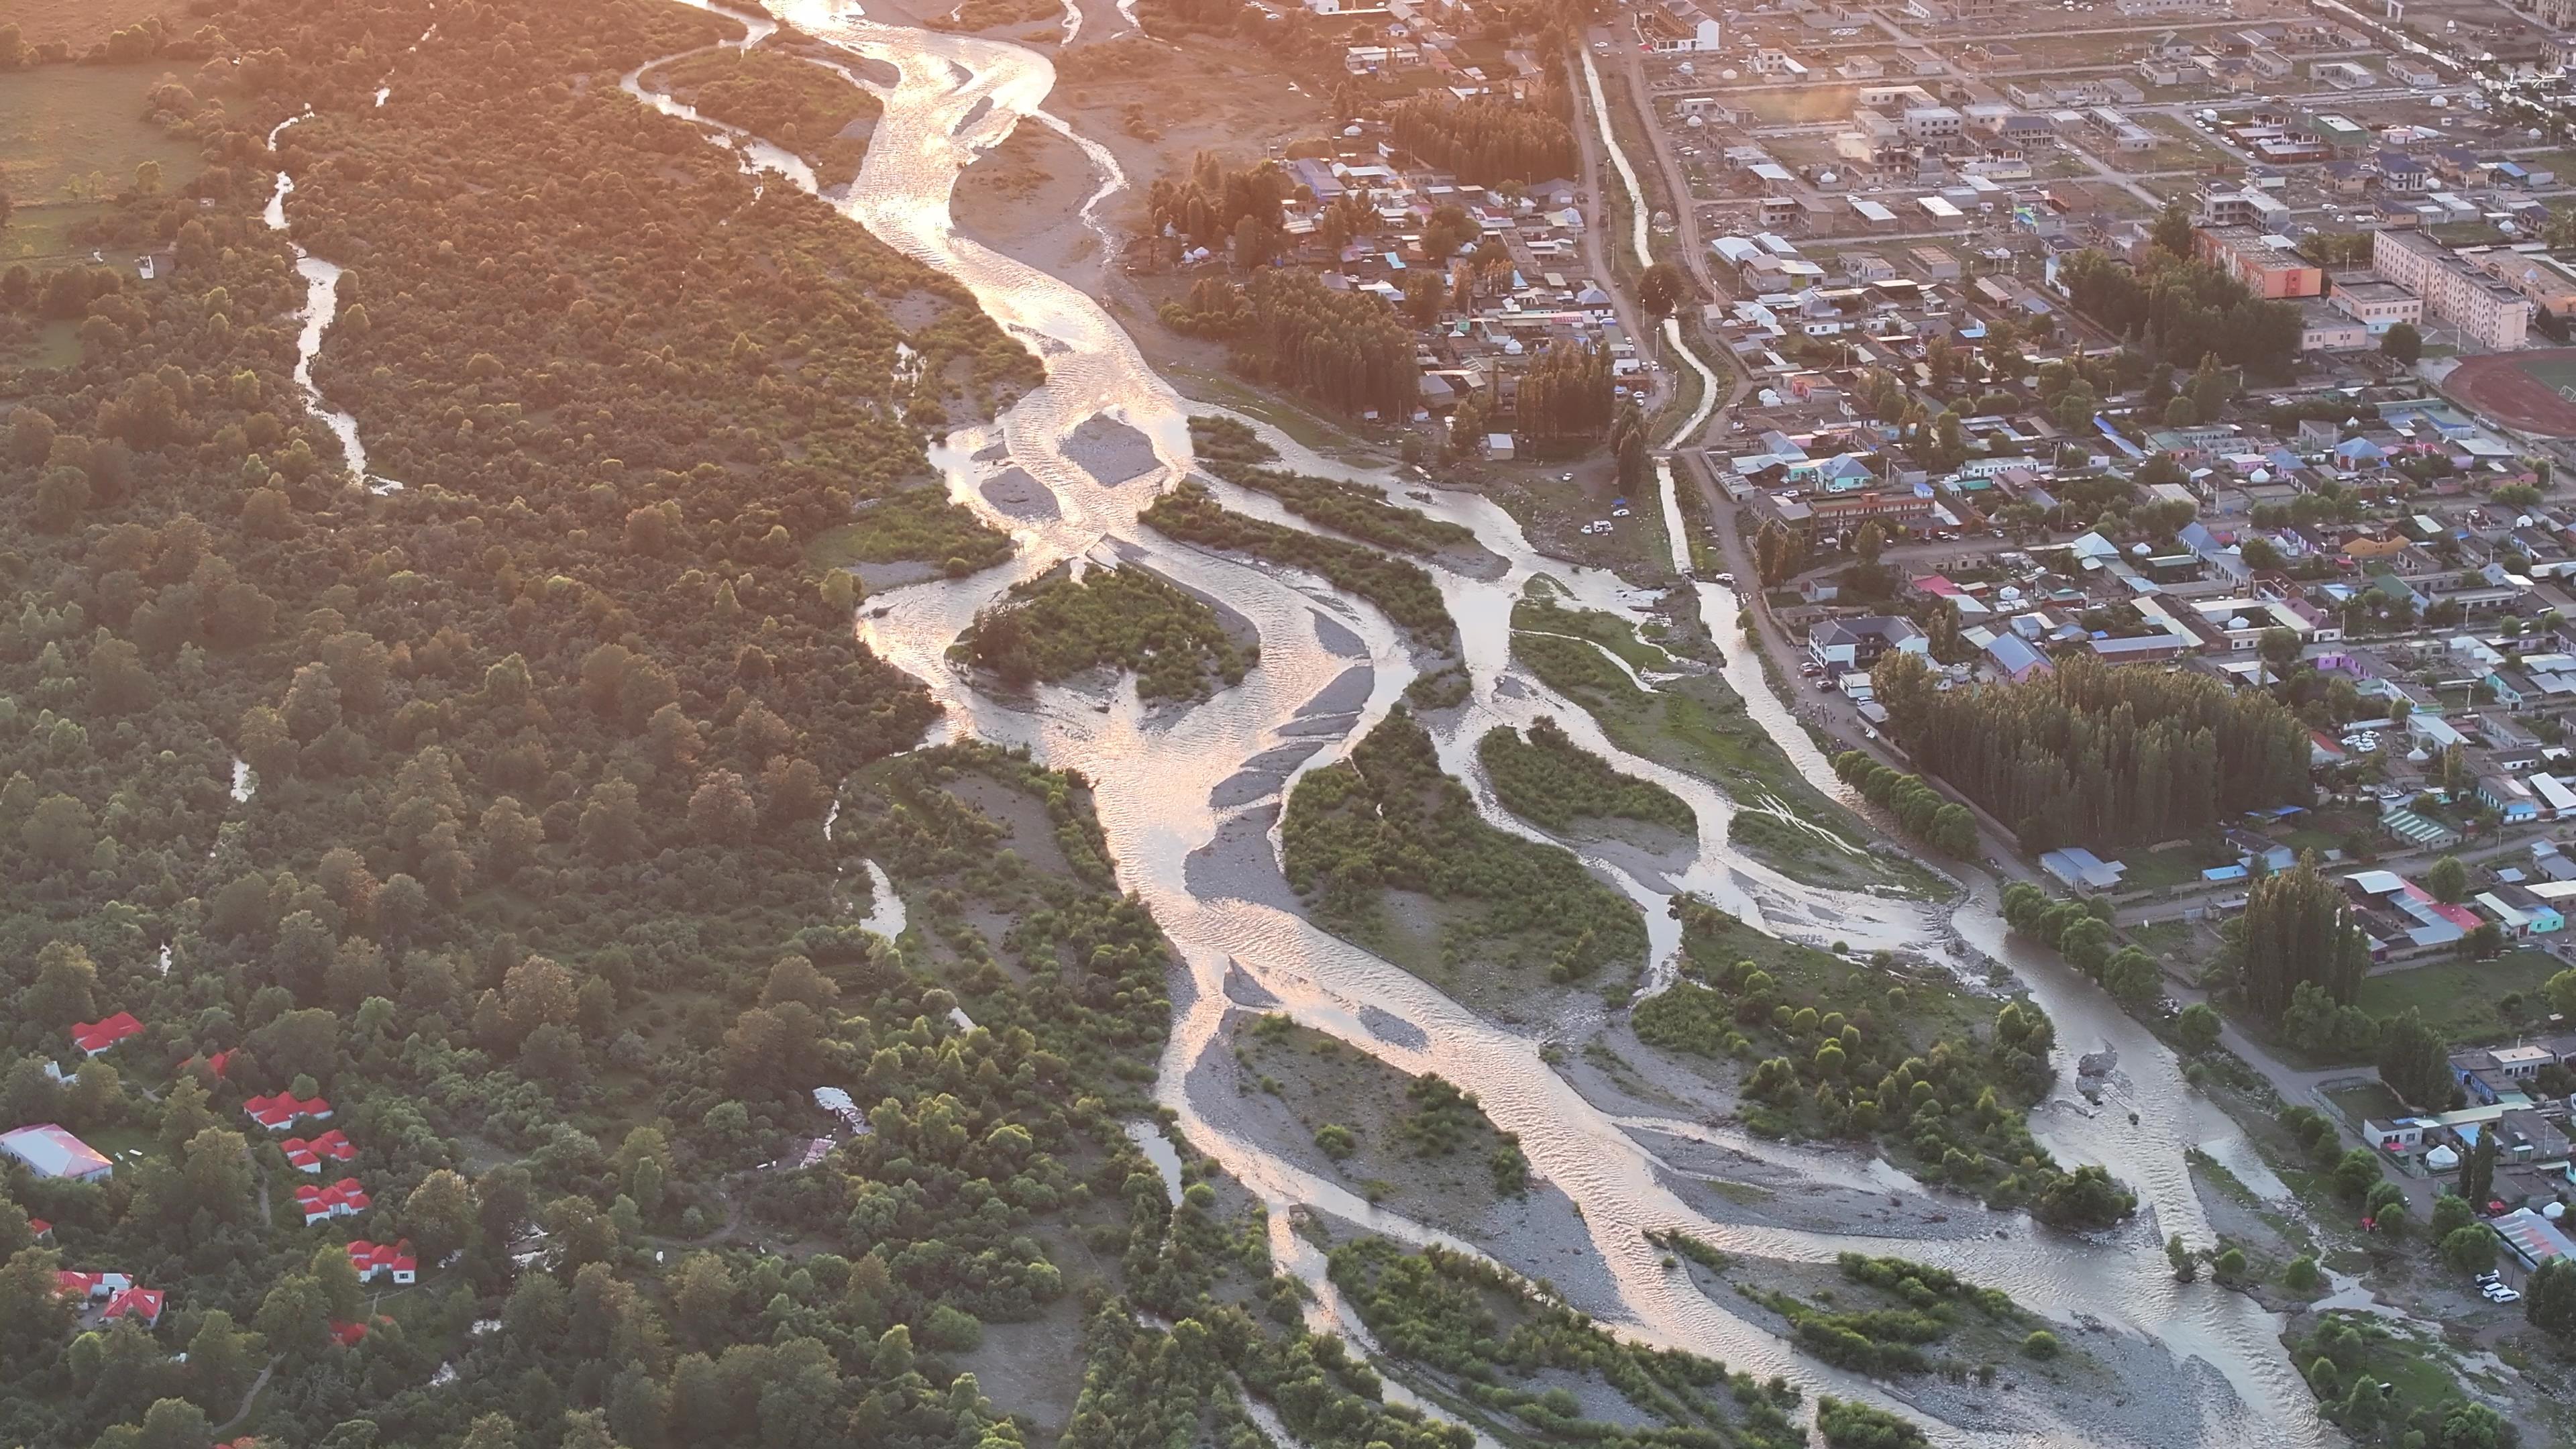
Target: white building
{"points": [[51, 1151], [2480, 308]]}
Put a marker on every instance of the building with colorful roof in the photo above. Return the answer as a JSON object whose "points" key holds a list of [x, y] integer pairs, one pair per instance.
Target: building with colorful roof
{"points": [[93, 1037], [393, 1260], [342, 1199], [140, 1304], [284, 1110], [308, 1155], [52, 1151]]}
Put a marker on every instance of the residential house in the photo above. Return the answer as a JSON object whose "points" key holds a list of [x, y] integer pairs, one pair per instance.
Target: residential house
{"points": [[394, 1261], [1840, 644], [93, 1037]]}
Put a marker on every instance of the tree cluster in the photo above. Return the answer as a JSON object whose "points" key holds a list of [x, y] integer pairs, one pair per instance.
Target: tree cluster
{"points": [[1056, 626], [1388, 818], [1550, 781], [1347, 349], [2174, 307], [1488, 140], [1945, 825], [2095, 754]]}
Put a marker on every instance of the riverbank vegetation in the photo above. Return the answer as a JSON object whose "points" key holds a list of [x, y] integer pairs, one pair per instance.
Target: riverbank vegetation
{"points": [[1055, 626], [1692, 721], [1945, 825], [1387, 821], [1233, 452], [916, 525], [1851, 1424], [1400, 588], [1550, 781], [1888, 1316], [2096, 754], [1415, 1142], [2391, 1383], [1486, 1334], [1831, 1048], [793, 103]]}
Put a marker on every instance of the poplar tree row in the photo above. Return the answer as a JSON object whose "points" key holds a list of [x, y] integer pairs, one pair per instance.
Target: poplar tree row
{"points": [[2100, 755]]}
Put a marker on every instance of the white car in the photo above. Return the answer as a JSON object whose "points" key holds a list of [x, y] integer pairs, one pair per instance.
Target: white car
{"points": [[2504, 1295]]}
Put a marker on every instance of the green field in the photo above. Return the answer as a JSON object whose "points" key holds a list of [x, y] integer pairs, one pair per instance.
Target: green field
{"points": [[2552, 370], [63, 126], [2458, 998]]}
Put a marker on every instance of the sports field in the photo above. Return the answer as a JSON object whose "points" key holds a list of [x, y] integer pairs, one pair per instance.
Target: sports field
{"points": [[2531, 392]]}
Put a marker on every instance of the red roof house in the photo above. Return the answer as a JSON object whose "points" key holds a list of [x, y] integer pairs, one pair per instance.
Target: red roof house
{"points": [[342, 1199], [395, 1260], [138, 1303], [348, 1334], [93, 1037], [40, 1228], [283, 1110], [91, 1285], [308, 1156]]}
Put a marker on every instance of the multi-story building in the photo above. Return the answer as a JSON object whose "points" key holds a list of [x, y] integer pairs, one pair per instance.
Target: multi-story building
{"points": [[2220, 208], [1677, 27], [2456, 294], [2263, 263], [2547, 282], [1932, 123]]}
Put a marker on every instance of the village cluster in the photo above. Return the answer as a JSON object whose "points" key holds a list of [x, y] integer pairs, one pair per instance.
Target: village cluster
{"points": [[49, 1150]]}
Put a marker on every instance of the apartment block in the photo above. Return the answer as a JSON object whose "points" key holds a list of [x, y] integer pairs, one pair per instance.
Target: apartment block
{"points": [[2456, 294], [2548, 283], [2262, 262]]}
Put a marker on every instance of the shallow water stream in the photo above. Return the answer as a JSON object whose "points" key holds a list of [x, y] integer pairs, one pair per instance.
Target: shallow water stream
{"points": [[1154, 772]]}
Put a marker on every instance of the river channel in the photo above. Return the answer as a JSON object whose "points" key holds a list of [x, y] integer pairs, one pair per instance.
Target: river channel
{"points": [[1330, 668]]}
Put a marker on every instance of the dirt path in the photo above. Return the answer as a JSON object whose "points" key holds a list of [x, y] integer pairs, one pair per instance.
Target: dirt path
{"points": [[251, 1395]]}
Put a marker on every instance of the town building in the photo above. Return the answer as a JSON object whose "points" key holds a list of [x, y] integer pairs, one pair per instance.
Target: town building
{"points": [[2377, 305], [49, 1150], [1860, 643], [93, 1037], [2264, 263], [2481, 309]]}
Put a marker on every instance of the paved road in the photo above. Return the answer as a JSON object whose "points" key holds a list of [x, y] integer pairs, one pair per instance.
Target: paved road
{"points": [[1598, 182]]}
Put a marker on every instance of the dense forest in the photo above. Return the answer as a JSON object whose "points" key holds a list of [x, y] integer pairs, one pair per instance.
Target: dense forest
{"points": [[1232, 451], [525, 862], [1346, 349], [1057, 625], [1388, 818], [1564, 397], [1487, 141], [2096, 754]]}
